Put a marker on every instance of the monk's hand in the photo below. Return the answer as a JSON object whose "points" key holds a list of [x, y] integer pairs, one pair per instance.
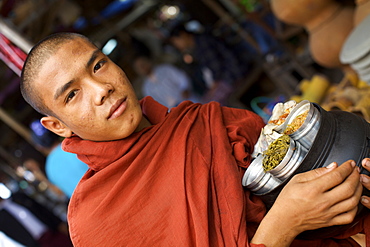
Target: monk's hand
{"points": [[365, 180], [319, 198], [322, 197]]}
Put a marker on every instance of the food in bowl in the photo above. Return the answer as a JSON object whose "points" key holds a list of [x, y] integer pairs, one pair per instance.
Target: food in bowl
{"points": [[275, 153], [296, 123]]}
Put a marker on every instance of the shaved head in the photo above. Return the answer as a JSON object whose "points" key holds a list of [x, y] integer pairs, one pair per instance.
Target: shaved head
{"points": [[36, 58]]}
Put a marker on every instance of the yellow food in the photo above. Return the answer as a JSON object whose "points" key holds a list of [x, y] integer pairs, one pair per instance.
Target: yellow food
{"points": [[275, 153], [296, 123]]}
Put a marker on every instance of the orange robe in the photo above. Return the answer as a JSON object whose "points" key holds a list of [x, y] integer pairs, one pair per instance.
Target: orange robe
{"points": [[175, 183]]}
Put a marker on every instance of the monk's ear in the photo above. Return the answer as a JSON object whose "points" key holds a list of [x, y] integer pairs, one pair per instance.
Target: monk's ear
{"points": [[55, 125]]}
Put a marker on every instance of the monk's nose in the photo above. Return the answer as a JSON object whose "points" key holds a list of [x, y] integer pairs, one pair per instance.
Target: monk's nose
{"points": [[102, 92]]}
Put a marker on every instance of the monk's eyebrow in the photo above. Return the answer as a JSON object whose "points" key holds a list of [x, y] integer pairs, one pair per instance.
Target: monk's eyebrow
{"points": [[62, 89], [66, 86], [93, 57]]}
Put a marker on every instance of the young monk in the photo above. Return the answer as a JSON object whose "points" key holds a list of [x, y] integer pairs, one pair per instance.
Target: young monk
{"points": [[169, 178]]}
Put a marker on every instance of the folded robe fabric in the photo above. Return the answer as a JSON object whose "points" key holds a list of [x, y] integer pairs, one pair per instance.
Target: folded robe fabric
{"points": [[175, 183]]}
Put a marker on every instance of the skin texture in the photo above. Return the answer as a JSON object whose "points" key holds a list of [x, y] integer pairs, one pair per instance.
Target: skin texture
{"points": [[83, 86], [326, 196], [92, 98]]}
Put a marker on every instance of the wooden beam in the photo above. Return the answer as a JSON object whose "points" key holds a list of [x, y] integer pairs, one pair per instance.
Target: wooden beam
{"points": [[17, 127]]}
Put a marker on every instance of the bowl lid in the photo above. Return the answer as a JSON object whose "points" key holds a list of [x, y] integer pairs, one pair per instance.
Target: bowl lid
{"points": [[357, 43]]}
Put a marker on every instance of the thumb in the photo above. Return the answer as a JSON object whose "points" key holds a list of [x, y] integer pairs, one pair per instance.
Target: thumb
{"points": [[316, 173]]}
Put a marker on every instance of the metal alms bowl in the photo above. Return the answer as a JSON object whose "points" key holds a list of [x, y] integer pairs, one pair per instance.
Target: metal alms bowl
{"points": [[261, 182], [296, 153], [307, 132], [257, 180]]}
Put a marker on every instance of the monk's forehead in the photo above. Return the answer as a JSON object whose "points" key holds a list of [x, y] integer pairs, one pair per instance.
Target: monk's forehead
{"points": [[60, 64], [78, 46], [73, 47], [49, 52], [68, 51]]}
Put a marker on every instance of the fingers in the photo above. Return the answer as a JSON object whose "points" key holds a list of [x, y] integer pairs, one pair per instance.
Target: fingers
{"points": [[350, 187], [344, 218], [328, 177], [365, 180], [365, 200], [314, 174], [344, 199], [348, 197], [366, 163]]}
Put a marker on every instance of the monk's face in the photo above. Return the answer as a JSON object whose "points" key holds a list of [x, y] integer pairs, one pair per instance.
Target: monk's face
{"points": [[90, 95]]}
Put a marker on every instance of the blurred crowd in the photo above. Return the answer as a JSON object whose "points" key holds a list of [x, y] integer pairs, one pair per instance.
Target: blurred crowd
{"points": [[192, 63]]}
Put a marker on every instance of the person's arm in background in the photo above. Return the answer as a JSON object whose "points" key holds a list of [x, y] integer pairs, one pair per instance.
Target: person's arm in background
{"points": [[319, 198]]}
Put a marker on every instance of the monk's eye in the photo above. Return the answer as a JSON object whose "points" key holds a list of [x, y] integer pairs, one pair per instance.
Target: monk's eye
{"points": [[99, 65], [71, 95]]}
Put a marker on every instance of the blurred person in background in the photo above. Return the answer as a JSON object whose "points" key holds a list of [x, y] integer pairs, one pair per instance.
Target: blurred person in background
{"points": [[219, 67], [166, 83]]}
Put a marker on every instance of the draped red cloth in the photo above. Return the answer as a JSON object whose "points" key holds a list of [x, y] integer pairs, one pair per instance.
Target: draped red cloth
{"points": [[175, 183]]}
